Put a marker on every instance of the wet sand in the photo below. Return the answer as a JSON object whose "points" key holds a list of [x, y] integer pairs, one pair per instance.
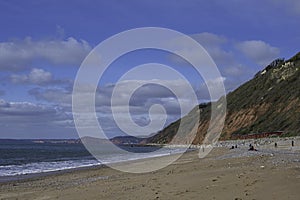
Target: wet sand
{"points": [[269, 173]]}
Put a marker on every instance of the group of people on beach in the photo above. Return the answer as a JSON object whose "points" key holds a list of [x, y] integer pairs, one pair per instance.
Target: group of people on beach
{"points": [[251, 147]]}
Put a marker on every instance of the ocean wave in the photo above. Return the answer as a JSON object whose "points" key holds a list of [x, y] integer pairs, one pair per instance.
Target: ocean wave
{"points": [[41, 167]]}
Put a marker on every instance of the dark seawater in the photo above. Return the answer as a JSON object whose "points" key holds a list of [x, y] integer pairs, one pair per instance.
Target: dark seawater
{"points": [[26, 157], [19, 158]]}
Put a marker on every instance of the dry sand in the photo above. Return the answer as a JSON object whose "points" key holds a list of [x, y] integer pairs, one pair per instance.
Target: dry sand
{"points": [[224, 174]]}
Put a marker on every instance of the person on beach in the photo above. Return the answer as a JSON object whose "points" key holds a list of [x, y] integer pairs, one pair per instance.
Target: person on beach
{"points": [[275, 144], [252, 148], [292, 143]]}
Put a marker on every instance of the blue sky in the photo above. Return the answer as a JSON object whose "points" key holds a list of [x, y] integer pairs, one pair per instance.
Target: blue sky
{"points": [[42, 44]]}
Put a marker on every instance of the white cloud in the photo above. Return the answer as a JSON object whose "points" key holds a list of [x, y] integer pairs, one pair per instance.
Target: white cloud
{"points": [[39, 77], [20, 54], [209, 39], [212, 43], [259, 51], [24, 108], [36, 76], [218, 47], [223, 52]]}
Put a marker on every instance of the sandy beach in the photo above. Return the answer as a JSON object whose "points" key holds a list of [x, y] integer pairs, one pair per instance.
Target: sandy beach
{"points": [[269, 173]]}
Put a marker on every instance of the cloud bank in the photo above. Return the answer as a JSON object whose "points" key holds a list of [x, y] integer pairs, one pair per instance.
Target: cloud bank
{"points": [[20, 54], [51, 111], [259, 51]]}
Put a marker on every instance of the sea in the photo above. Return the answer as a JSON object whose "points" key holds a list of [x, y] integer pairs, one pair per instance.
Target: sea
{"points": [[23, 158]]}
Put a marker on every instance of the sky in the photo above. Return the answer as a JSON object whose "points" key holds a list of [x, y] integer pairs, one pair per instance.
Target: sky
{"points": [[43, 44]]}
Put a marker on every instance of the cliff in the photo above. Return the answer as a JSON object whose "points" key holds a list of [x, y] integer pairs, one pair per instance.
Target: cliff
{"points": [[269, 102]]}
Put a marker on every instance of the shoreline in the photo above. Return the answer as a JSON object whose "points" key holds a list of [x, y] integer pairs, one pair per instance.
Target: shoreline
{"points": [[262, 143], [36, 176], [217, 176]]}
